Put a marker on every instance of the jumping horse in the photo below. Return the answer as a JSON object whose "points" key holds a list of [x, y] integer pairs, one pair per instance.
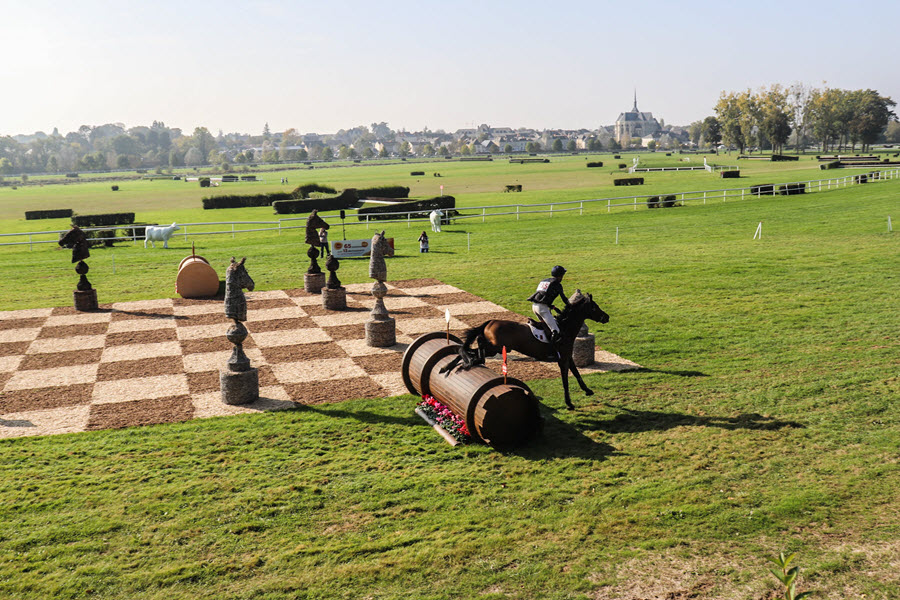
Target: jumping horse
{"points": [[493, 335]]}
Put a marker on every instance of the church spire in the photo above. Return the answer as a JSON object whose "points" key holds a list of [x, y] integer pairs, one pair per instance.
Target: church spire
{"points": [[635, 109]]}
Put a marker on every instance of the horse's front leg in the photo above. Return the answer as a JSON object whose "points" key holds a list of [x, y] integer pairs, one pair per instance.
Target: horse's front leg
{"points": [[564, 373], [587, 391]]}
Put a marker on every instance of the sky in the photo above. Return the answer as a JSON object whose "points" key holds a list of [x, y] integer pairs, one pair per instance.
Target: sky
{"points": [[329, 65]]}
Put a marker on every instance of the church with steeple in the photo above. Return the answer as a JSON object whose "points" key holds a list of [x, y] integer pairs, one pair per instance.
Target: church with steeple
{"points": [[635, 124]]}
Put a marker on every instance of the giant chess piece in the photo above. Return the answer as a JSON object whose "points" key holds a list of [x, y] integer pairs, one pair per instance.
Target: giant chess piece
{"points": [[334, 295], [381, 329], [314, 279], [85, 296], [240, 382]]}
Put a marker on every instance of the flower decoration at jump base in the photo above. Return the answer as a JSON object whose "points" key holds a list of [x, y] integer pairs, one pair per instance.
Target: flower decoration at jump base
{"points": [[445, 418]]}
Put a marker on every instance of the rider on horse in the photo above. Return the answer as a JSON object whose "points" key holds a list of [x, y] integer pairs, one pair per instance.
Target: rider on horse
{"points": [[542, 300]]}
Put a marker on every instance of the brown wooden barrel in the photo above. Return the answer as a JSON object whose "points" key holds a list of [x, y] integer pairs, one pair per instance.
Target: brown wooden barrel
{"points": [[498, 413], [196, 278]]}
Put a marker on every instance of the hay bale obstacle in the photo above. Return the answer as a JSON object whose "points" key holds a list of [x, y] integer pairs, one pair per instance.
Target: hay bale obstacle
{"points": [[498, 413]]}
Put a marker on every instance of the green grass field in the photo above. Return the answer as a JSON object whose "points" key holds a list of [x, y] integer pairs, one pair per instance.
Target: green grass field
{"points": [[764, 419]]}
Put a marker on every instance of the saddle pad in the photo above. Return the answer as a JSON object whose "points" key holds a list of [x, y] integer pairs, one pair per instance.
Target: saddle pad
{"points": [[538, 334]]}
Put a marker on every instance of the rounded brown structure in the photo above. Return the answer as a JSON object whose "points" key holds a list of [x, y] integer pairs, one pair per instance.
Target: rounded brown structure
{"points": [[500, 414], [196, 278]]}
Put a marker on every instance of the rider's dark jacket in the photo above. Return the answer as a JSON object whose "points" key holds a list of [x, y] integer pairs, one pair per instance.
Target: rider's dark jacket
{"points": [[547, 291]]}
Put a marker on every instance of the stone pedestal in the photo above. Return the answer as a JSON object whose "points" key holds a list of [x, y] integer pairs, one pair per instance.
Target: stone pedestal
{"points": [[85, 299], [239, 387], [313, 282], [583, 350], [240, 383], [382, 333], [334, 299]]}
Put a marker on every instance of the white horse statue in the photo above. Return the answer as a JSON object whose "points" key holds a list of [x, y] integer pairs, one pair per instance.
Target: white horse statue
{"points": [[435, 217], [160, 234]]}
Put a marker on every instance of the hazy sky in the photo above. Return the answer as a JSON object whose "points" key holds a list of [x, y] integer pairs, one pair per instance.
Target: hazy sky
{"points": [[326, 65]]}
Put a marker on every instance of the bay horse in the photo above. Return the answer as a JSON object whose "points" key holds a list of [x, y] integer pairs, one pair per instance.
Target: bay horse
{"points": [[492, 335]]}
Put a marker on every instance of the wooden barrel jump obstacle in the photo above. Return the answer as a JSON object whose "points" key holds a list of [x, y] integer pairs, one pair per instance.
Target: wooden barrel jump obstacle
{"points": [[196, 278], [498, 413]]}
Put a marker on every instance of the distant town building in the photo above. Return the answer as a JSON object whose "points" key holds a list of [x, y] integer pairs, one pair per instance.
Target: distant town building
{"points": [[635, 124]]}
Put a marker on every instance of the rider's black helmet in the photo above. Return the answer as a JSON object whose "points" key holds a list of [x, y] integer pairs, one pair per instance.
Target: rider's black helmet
{"points": [[557, 271]]}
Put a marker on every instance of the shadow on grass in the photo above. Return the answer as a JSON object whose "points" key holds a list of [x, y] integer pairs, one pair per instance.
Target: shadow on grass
{"points": [[665, 372], [635, 421], [560, 440]]}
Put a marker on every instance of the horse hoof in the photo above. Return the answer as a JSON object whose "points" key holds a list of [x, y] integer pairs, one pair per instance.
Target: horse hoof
{"points": [[570, 407], [588, 392]]}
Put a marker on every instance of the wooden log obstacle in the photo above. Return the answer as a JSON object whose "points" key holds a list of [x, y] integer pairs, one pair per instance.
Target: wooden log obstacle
{"points": [[498, 413], [196, 278]]}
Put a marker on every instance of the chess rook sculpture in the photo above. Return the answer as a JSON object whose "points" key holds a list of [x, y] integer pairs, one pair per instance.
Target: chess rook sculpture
{"points": [[85, 296], [314, 279], [381, 329], [240, 382]]}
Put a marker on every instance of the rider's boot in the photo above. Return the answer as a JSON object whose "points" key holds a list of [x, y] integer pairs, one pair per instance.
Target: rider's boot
{"points": [[554, 341]]}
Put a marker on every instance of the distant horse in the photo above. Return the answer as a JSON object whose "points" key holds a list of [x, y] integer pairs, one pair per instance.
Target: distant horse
{"points": [[493, 335], [159, 234], [236, 280], [435, 218], [380, 249]]}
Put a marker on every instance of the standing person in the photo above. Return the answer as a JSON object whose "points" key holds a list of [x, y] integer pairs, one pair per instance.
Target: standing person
{"points": [[542, 300], [423, 242], [323, 240]]}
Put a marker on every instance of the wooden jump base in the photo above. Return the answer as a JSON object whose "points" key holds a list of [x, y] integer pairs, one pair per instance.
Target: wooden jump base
{"points": [[496, 412]]}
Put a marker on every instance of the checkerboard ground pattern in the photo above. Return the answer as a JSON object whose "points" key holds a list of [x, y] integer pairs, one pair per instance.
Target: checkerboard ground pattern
{"points": [[158, 361]]}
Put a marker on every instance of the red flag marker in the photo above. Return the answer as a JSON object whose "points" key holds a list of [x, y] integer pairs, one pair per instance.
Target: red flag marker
{"points": [[503, 368]]}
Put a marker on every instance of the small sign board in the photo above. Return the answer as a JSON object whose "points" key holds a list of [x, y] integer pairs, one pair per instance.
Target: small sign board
{"points": [[350, 248]]}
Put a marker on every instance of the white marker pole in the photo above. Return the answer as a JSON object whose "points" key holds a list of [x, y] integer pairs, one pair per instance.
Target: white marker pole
{"points": [[114, 257], [758, 231], [468, 241], [617, 235], [889, 224]]}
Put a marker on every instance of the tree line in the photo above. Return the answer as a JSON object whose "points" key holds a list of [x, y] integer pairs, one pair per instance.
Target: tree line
{"points": [[831, 119]]}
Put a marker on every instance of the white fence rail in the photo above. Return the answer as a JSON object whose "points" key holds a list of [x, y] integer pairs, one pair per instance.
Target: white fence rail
{"points": [[234, 228]]}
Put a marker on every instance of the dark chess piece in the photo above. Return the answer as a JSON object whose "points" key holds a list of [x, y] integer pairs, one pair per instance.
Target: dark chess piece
{"points": [[85, 296], [332, 264], [240, 382]]}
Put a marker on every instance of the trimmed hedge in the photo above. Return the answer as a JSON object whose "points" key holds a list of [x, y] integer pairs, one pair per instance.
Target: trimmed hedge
{"points": [[416, 173], [236, 201], [303, 191], [835, 164], [230, 179], [347, 199], [729, 174], [248, 177], [595, 164], [204, 182], [58, 213], [105, 220], [629, 181], [860, 179], [783, 157], [71, 174], [622, 165], [790, 189], [388, 191], [763, 189], [668, 201], [115, 188], [476, 158], [653, 202], [522, 161], [444, 203]]}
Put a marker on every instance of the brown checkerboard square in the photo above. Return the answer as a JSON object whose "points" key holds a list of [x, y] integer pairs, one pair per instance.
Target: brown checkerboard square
{"points": [[115, 415], [32, 362], [322, 392], [151, 336], [134, 369], [32, 323], [46, 397]]}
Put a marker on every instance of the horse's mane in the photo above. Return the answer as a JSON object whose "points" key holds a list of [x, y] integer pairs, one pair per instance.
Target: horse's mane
{"points": [[576, 300]]}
